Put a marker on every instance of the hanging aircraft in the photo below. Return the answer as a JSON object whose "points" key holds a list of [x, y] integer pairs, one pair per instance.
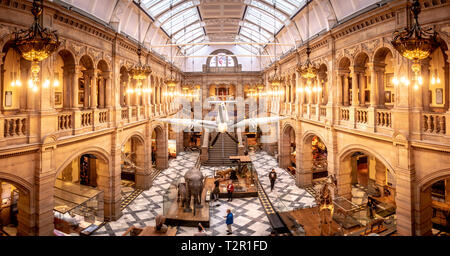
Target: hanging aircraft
{"points": [[222, 123]]}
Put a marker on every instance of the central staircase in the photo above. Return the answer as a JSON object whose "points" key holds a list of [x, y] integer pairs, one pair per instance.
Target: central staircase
{"points": [[222, 150]]}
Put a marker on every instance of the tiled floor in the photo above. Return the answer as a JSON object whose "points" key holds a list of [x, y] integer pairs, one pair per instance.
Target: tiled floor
{"points": [[286, 196], [249, 216]]}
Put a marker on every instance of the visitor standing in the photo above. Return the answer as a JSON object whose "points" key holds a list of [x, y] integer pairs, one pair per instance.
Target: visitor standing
{"points": [[230, 189], [272, 178], [216, 190], [229, 221]]}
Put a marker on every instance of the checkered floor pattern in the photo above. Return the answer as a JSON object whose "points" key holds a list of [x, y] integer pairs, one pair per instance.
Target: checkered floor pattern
{"points": [[249, 216], [286, 196]]}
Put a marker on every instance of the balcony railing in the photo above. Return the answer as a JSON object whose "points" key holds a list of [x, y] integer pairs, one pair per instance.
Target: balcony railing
{"points": [[344, 113], [103, 116], [384, 118], [134, 112], [65, 121], [361, 116], [86, 118], [124, 113], [434, 123], [15, 127], [323, 111]]}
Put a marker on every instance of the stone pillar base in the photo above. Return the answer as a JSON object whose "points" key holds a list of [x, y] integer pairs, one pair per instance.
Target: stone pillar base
{"points": [[303, 178], [112, 211], [143, 181]]}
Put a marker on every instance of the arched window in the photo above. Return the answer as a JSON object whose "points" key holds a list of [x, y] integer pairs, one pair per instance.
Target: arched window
{"points": [[221, 59]]}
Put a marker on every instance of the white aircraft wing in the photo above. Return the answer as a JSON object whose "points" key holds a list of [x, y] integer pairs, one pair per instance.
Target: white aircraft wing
{"points": [[253, 122], [189, 122]]}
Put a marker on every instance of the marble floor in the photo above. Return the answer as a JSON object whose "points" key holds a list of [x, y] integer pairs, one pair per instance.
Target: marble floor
{"points": [[249, 216], [286, 196]]}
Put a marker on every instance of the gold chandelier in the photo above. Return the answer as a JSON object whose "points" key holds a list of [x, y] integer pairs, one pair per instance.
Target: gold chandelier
{"points": [[415, 43], [36, 44], [171, 81], [276, 80], [308, 70]]}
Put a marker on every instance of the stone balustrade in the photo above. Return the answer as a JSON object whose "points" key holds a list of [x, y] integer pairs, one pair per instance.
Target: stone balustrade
{"points": [[124, 113], [434, 123], [361, 116], [383, 118], [15, 127], [323, 111], [313, 110], [87, 118], [344, 113], [133, 111], [103, 116], [65, 121]]}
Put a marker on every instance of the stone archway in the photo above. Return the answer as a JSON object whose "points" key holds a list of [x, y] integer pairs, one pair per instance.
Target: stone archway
{"points": [[133, 149], [430, 207], [363, 176], [160, 151], [23, 206], [287, 147], [99, 164], [312, 158]]}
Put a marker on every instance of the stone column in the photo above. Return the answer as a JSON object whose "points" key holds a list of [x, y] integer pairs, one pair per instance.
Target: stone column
{"points": [[346, 89], [406, 179], [75, 75], [318, 94], [362, 85], [425, 99], [339, 88], [101, 92], [87, 86], [128, 95], [93, 89], [344, 178], [354, 87], [373, 86], [109, 181], [108, 89]]}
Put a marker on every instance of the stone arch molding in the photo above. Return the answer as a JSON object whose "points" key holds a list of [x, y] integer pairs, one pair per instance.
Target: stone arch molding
{"points": [[98, 151], [347, 150], [429, 179], [137, 134], [310, 133], [21, 183]]}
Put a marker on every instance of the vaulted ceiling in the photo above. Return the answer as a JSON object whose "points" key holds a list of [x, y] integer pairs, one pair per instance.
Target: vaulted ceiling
{"points": [[191, 24]]}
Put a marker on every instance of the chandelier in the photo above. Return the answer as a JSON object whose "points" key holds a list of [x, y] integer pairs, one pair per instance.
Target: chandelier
{"points": [[415, 43], [307, 70], [276, 80], [139, 72], [171, 81], [36, 44]]}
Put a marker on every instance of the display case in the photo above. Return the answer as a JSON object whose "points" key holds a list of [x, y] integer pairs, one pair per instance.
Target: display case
{"points": [[78, 209]]}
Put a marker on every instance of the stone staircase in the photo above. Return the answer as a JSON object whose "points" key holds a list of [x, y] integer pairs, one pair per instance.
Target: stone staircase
{"points": [[224, 147]]}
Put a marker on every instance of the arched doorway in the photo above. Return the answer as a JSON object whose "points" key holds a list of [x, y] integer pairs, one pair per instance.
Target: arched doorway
{"points": [[314, 157], [369, 183], [64, 72], [433, 214], [160, 152], [382, 87], [87, 84], [133, 167], [79, 194], [344, 82], [9, 208], [288, 149]]}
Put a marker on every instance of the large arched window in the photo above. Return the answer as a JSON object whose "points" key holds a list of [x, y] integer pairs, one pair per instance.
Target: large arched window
{"points": [[221, 59]]}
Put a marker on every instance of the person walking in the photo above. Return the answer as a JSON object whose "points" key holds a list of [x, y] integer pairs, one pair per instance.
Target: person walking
{"points": [[229, 222], [272, 178], [230, 189]]}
